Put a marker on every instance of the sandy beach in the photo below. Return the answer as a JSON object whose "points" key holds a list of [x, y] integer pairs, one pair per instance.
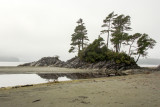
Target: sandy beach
{"points": [[139, 90]]}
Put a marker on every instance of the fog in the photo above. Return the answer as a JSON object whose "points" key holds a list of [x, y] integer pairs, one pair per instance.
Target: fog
{"points": [[31, 29]]}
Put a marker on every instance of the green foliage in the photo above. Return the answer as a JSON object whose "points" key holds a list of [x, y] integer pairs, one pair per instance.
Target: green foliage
{"points": [[97, 51], [116, 27], [79, 37], [129, 40], [119, 57], [120, 24], [56, 56], [71, 49], [94, 52], [144, 43]]}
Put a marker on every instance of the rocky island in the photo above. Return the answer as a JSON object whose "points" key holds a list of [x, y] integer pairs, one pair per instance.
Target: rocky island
{"points": [[99, 55], [77, 63]]}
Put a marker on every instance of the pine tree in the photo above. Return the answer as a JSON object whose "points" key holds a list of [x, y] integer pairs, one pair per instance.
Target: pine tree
{"points": [[79, 38], [144, 43], [108, 24], [130, 40], [120, 24]]}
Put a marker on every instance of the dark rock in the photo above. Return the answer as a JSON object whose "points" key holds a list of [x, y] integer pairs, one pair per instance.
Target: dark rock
{"points": [[158, 67], [77, 63], [46, 61], [26, 64]]}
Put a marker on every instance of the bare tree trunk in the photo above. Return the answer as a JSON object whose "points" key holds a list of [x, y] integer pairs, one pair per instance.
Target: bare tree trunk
{"points": [[107, 39], [138, 58], [129, 50], [108, 34], [129, 53], [116, 48], [79, 46], [82, 43], [119, 47]]}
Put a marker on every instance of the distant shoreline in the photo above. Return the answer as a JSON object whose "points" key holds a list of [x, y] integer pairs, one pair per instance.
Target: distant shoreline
{"points": [[5, 64], [14, 64]]}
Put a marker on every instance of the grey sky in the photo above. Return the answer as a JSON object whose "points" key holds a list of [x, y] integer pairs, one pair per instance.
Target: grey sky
{"points": [[31, 29]]}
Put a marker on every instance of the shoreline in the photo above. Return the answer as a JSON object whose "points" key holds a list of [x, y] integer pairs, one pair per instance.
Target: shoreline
{"points": [[73, 74], [33, 70], [138, 90]]}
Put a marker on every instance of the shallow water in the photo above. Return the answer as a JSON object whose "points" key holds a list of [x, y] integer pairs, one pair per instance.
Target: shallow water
{"points": [[147, 65], [10, 80], [11, 63]]}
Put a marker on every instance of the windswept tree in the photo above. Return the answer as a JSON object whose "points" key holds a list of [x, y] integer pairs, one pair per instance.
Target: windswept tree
{"points": [[120, 24], [108, 25], [144, 43], [79, 38], [130, 40]]}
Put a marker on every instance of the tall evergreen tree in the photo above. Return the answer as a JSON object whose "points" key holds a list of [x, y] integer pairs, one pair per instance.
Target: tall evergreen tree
{"points": [[130, 41], [79, 38], [120, 24], [108, 24]]}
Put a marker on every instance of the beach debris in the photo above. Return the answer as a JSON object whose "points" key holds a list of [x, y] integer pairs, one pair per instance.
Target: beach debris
{"points": [[36, 100], [84, 97], [84, 102], [22, 86]]}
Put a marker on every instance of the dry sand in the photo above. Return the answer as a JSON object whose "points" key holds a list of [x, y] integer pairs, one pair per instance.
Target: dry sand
{"points": [[139, 90]]}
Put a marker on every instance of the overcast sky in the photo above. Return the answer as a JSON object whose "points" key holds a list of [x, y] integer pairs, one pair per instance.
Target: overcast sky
{"points": [[31, 29]]}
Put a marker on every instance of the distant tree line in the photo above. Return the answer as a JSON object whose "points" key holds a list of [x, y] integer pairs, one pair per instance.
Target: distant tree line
{"points": [[115, 27]]}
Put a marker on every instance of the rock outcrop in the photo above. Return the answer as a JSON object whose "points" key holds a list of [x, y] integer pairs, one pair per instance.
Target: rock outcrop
{"points": [[77, 63], [158, 67], [46, 61]]}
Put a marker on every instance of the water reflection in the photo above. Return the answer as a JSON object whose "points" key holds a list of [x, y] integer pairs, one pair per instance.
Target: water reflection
{"points": [[63, 79], [9, 80]]}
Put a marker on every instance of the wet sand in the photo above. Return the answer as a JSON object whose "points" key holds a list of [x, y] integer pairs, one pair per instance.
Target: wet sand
{"points": [[139, 90], [33, 70]]}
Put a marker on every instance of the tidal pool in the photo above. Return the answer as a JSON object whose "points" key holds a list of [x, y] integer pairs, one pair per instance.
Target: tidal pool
{"points": [[10, 80]]}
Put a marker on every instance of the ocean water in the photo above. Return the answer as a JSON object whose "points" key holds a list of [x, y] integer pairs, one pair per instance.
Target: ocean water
{"points": [[147, 65], [10, 80], [11, 63]]}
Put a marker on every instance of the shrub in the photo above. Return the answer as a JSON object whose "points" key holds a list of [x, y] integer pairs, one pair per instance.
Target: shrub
{"points": [[120, 57], [97, 51], [94, 52]]}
